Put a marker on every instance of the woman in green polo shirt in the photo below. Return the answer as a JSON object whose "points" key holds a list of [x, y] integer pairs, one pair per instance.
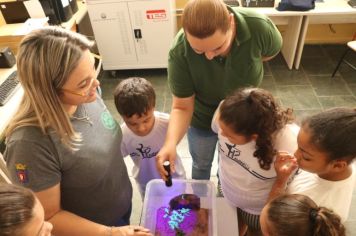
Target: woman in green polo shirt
{"points": [[218, 50]]}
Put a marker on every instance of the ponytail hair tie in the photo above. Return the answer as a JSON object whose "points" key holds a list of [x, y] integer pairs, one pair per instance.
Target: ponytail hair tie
{"points": [[313, 214]]}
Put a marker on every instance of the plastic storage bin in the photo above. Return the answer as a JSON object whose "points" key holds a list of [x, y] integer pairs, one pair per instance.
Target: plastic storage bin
{"points": [[158, 195]]}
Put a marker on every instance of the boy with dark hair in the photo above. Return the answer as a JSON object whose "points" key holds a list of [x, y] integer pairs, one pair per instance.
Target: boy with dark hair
{"points": [[144, 129]]}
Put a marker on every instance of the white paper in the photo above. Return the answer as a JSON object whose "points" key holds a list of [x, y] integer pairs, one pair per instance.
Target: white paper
{"points": [[34, 9], [65, 3], [31, 24]]}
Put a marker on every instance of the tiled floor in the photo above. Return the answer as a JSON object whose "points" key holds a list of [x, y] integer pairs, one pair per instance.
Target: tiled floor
{"points": [[307, 90]]}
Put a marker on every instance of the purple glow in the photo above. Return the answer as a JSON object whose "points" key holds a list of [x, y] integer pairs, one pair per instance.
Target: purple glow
{"points": [[176, 222], [183, 217]]}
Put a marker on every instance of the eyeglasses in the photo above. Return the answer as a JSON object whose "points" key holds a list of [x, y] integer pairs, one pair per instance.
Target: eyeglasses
{"points": [[82, 94], [97, 59]]}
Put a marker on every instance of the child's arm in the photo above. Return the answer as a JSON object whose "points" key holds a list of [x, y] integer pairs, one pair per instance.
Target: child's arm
{"points": [[285, 164]]}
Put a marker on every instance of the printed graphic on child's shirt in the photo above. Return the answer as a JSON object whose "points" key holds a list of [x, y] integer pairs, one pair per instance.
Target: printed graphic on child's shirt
{"points": [[232, 152], [144, 152]]}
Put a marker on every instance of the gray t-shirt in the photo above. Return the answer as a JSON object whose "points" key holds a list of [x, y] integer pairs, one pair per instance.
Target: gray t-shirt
{"points": [[94, 180]]}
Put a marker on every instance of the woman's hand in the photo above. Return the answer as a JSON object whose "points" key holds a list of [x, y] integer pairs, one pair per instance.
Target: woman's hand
{"points": [[166, 153], [130, 230]]}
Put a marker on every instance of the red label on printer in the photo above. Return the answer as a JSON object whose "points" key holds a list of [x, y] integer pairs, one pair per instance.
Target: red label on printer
{"points": [[156, 14]]}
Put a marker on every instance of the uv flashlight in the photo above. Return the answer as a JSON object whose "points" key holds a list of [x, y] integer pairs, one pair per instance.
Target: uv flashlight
{"points": [[167, 167]]}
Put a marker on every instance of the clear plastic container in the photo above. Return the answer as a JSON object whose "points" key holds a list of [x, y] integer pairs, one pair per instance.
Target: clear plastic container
{"points": [[158, 195]]}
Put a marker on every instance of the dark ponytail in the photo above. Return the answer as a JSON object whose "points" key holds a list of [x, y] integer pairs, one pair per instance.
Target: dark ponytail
{"points": [[327, 223]]}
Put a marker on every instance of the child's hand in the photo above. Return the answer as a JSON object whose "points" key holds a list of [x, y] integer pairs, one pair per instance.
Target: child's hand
{"points": [[285, 165], [166, 154]]}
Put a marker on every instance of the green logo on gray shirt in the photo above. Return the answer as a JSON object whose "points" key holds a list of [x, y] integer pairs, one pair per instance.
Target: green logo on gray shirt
{"points": [[107, 120]]}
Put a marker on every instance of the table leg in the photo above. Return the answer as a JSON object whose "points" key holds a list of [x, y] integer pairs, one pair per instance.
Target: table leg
{"points": [[300, 46], [290, 39]]}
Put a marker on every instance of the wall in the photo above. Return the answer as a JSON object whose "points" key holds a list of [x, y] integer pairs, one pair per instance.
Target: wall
{"points": [[330, 33]]}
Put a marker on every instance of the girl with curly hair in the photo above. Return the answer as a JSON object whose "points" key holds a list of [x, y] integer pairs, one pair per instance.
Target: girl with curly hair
{"points": [[251, 128]]}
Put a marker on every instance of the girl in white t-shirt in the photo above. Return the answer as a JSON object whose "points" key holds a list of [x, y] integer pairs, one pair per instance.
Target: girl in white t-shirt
{"points": [[251, 128], [325, 155]]}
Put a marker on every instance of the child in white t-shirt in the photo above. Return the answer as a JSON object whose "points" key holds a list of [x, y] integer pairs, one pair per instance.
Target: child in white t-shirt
{"points": [[251, 129], [144, 130], [325, 155]]}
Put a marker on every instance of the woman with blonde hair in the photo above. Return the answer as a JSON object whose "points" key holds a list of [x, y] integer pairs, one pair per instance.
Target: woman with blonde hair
{"points": [[62, 143]]}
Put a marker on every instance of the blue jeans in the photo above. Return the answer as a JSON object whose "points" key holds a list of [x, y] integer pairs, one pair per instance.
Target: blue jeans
{"points": [[202, 144]]}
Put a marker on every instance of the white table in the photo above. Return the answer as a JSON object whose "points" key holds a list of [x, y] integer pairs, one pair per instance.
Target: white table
{"points": [[327, 12], [227, 218], [293, 20]]}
